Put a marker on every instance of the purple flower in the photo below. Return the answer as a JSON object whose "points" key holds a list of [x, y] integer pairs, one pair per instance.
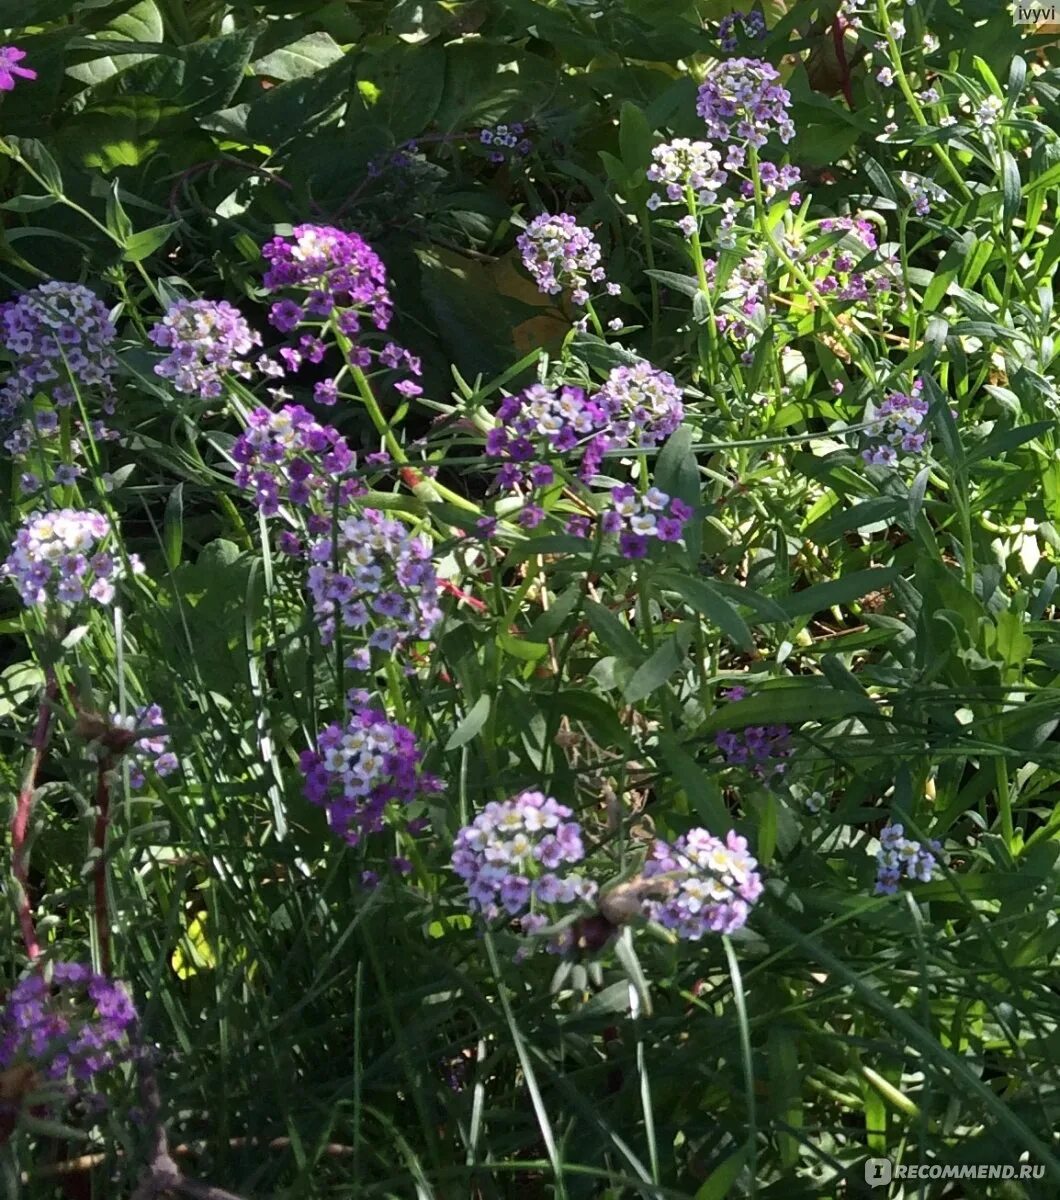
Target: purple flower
{"points": [[205, 339], [763, 749], [55, 558], [637, 519], [357, 770], [58, 334], [741, 98], [150, 750], [368, 557], [561, 255], [643, 405], [515, 856], [898, 425], [713, 884], [681, 165], [900, 855], [10, 57], [71, 1027], [335, 270], [288, 456]]}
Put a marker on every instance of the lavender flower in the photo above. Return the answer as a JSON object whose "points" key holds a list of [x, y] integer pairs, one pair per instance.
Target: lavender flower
{"points": [[560, 254], [358, 769], [637, 519], [205, 339], [10, 57], [741, 98], [761, 748], [643, 405], [57, 557], [335, 270], [505, 141], [286, 456], [683, 164], [371, 573], [897, 855], [59, 334], [713, 884], [540, 421], [752, 25], [899, 424], [149, 750], [71, 1028], [514, 858]]}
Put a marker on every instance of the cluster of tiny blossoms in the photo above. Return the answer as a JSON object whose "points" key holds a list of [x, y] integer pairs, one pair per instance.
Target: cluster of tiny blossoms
{"points": [[638, 518], [502, 138], [515, 855], [287, 456], [898, 426], [761, 748], [839, 266], [742, 99], [205, 339], [58, 334], [150, 750], [713, 884], [743, 299], [370, 571], [337, 271], [900, 855], [56, 556], [751, 24], [69, 1029], [358, 769], [560, 254], [636, 407], [681, 165]]}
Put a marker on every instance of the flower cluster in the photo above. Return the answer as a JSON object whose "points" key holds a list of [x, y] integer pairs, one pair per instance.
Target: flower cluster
{"points": [[681, 165], [743, 297], [338, 270], [555, 420], [713, 884], [762, 748], [503, 138], [357, 769], [70, 1028], [643, 405], [370, 571], [515, 856], [149, 750], [287, 456], [741, 98], [10, 57], [751, 24], [898, 426], [205, 339], [900, 855], [57, 331], [57, 556], [559, 253], [637, 519], [840, 267]]}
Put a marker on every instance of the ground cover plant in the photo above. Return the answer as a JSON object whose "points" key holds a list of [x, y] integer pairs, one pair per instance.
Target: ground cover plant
{"points": [[527, 599]]}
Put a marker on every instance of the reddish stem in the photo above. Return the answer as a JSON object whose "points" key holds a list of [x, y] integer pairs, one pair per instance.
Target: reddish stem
{"points": [[99, 869], [838, 30], [23, 812]]}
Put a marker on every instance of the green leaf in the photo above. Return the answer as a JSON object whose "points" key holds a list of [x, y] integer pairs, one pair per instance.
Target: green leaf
{"points": [[118, 223], [521, 648], [635, 138], [611, 633], [838, 591], [28, 203], [19, 683], [173, 526], [300, 59], [41, 162], [723, 1178], [1010, 187], [143, 244], [596, 713], [660, 667], [793, 704], [470, 726], [706, 600]]}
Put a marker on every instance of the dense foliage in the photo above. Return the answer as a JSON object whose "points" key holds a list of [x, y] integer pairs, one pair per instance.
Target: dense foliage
{"points": [[528, 598]]}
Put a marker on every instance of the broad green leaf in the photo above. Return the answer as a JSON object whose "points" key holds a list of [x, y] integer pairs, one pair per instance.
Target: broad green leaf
{"points": [[472, 723], [299, 59], [711, 603]]}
